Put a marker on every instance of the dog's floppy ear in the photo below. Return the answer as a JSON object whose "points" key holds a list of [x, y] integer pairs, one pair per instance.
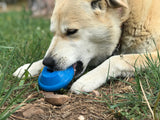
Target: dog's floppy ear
{"points": [[117, 3]]}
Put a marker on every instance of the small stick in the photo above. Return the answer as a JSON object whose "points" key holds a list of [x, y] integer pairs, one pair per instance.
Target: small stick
{"points": [[17, 117], [146, 100]]}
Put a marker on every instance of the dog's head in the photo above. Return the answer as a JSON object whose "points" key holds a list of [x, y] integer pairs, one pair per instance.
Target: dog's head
{"points": [[83, 30]]}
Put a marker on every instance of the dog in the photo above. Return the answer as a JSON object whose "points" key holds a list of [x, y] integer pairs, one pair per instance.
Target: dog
{"points": [[112, 35]]}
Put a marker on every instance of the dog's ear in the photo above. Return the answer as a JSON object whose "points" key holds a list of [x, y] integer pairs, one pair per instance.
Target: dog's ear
{"points": [[117, 3], [98, 4]]}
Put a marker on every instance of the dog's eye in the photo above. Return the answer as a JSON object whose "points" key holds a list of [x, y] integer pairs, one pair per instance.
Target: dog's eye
{"points": [[71, 31]]}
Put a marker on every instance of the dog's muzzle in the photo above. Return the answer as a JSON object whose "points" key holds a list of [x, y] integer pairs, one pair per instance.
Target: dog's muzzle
{"points": [[52, 66]]}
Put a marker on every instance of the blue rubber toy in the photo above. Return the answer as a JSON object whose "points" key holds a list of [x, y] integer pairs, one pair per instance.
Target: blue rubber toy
{"points": [[54, 81]]}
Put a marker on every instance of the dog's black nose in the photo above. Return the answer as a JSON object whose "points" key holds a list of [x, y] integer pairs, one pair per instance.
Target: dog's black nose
{"points": [[49, 62]]}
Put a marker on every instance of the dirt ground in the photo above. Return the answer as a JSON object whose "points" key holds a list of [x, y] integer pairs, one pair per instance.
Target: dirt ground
{"points": [[78, 107]]}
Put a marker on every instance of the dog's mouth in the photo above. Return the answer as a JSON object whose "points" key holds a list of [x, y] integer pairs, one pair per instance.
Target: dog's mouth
{"points": [[78, 68]]}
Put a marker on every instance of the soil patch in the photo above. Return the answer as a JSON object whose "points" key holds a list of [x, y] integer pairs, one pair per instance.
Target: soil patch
{"points": [[77, 107]]}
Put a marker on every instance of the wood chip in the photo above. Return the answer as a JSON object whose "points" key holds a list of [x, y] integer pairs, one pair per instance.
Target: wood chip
{"points": [[55, 99], [95, 93]]}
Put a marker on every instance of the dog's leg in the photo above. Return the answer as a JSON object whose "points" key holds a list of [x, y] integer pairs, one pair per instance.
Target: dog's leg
{"points": [[34, 69], [113, 67]]}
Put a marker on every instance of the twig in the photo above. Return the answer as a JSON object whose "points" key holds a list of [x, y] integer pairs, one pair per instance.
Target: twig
{"points": [[17, 117], [23, 103], [149, 86], [155, 106], [146, 100]]}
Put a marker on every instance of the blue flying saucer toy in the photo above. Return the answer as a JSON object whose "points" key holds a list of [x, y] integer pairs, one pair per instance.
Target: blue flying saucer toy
{"points": [[54, 81]]}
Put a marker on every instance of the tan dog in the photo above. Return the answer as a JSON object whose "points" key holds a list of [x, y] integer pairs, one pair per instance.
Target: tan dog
{"points": [[87, 32]]}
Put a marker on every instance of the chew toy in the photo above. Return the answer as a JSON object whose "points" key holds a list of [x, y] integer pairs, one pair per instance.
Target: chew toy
{"points": [[54, 81]]}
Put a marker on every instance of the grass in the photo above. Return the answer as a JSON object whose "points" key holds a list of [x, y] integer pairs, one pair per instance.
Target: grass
{"points": [[20, 35], [24, 40], [143, 99]]}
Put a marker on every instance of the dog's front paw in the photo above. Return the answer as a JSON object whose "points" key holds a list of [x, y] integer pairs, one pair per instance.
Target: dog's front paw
{"points": [[21, 70], [81, 86], [88, 82], [33, 70]]}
